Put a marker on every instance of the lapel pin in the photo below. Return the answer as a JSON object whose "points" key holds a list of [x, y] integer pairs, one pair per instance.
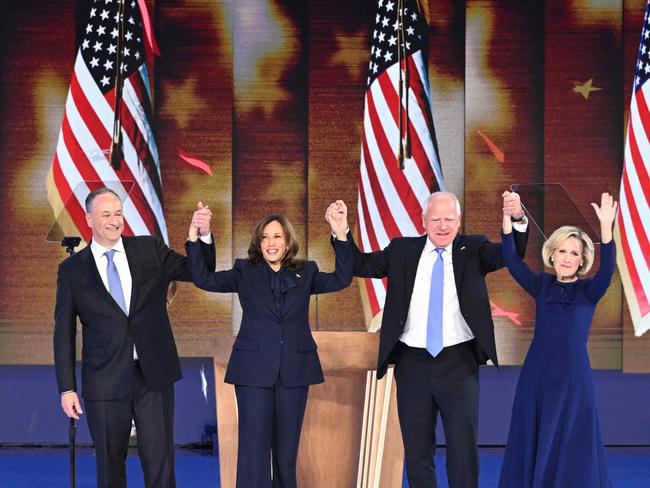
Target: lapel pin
{"points": [[297, 275], [462, 248]]}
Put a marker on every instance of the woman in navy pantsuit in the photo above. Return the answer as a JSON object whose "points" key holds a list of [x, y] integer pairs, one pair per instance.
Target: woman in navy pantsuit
{"points": [[274, 358]]}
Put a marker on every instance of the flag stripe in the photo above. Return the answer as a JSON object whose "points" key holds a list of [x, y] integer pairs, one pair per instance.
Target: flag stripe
{"points": [[81, 160], [390, 198], [417, 122], [406, 180], [635, 219], [70, 202], [392, 179], [642, 300], [98, 116], [90, 133], [374, 288]]}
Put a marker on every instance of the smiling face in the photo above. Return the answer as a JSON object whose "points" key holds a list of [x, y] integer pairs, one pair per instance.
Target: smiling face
{"points": [[567, 257], [106, 220], [441, 220], [273, 244]]}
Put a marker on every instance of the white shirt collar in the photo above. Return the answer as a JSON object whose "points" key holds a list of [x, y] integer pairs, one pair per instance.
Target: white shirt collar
{"points": [[98, 250], [430, 246]]}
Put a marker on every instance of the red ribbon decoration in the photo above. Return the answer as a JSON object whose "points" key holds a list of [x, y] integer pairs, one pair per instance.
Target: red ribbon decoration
{"points": [[194, 161], [148, 28]]}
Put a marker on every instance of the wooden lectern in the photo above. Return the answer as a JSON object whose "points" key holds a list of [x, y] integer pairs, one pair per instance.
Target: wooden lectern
{"points": [[350, 436]]}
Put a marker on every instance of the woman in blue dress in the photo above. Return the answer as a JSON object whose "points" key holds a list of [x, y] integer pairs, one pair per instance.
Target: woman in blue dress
{"points": [[554, 439]]}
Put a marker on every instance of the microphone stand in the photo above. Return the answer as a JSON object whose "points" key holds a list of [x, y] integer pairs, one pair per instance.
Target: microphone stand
{"points": [[70, 243]]}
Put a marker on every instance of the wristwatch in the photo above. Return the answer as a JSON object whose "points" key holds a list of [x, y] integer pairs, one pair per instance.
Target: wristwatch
{"points": [[518, 219]]}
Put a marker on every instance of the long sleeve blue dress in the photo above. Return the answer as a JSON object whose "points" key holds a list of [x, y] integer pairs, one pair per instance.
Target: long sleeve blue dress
{"points": [[554, 439]]}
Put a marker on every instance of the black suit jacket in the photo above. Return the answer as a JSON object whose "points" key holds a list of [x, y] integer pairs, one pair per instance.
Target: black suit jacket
{"points": [[274, 342], [108, 334], [473, 257]]}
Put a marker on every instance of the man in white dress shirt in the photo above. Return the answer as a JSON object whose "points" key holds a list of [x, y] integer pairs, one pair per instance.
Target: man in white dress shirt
{"points": [[437, 329], [117, 287]]}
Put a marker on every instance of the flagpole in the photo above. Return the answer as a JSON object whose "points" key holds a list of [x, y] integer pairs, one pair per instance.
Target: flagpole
{"points": [[400, 83], [406, 141], [116, 154]]}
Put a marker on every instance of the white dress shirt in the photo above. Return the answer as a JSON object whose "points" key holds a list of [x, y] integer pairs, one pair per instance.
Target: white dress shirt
{"points": [[454, 327], [122, 265]]}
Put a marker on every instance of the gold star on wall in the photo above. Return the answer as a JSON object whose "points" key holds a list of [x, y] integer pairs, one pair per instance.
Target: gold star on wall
{"points": [[585, 88]]}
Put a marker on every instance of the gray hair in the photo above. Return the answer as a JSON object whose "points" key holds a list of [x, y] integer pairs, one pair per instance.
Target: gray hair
{"points": [[439, 194], [562, 234], [95, 193]]}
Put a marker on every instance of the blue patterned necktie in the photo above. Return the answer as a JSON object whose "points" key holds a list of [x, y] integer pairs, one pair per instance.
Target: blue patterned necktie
{"points": [[434, 319], [114, 283]]}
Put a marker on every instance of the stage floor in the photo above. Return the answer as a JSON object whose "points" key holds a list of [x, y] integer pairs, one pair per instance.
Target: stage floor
{"points": [[48, 468]]}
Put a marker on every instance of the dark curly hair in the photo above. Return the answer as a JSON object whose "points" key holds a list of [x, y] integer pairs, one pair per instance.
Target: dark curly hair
{"points": [[289, 259]]}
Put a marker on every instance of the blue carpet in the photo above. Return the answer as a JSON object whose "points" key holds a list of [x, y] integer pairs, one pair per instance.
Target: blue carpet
{"points": [[48, 468], [629, 467]]}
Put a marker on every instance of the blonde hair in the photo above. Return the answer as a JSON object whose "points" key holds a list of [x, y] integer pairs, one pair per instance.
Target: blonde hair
{"points": [[562, 234]]}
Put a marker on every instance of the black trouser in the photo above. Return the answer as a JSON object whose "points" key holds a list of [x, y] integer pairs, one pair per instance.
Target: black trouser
{"points": [[449, 384], [110, 427], [270, 420]]}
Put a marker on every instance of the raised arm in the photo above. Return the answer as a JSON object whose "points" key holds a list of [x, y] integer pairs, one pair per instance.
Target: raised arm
{"points": [[365, 265], [490, 253], [528, 280], [606, 213], [337, 216], [202, 276], [176, 265]]}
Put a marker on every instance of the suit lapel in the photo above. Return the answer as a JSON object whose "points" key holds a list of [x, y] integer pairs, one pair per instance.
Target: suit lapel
{"points": [[293, 294], [263, 287], [96, 279], [131, 250], [413, 253], [458, 251]]}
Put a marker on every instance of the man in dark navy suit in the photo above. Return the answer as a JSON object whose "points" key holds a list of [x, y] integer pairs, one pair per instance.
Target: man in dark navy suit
{"points": [[117, 287], [437, 328]]}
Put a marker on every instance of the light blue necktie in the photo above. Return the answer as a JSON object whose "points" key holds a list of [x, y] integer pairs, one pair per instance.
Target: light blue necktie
{"points": [[114, 283], [434, 319]]}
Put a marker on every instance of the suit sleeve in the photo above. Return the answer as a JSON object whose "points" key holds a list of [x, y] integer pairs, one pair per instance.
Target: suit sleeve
{"points": [[217, 281], [65, 331], [492, 255], [371, 264], [342, 275], [603, 277], [529, 281], [175, 264]]}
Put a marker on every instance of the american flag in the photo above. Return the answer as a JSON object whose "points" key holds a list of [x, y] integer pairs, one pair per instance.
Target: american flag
{"points": [[633, 223], [399, 161], [81, 161]]}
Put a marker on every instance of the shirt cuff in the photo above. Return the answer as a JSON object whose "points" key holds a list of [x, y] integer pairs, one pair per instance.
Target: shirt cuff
{"points": [[206, 239], [521, 226]]}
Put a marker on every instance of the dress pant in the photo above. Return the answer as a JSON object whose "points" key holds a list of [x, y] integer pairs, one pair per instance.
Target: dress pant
{"points": [[110, 427], [270, 420], [447, 384]]}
